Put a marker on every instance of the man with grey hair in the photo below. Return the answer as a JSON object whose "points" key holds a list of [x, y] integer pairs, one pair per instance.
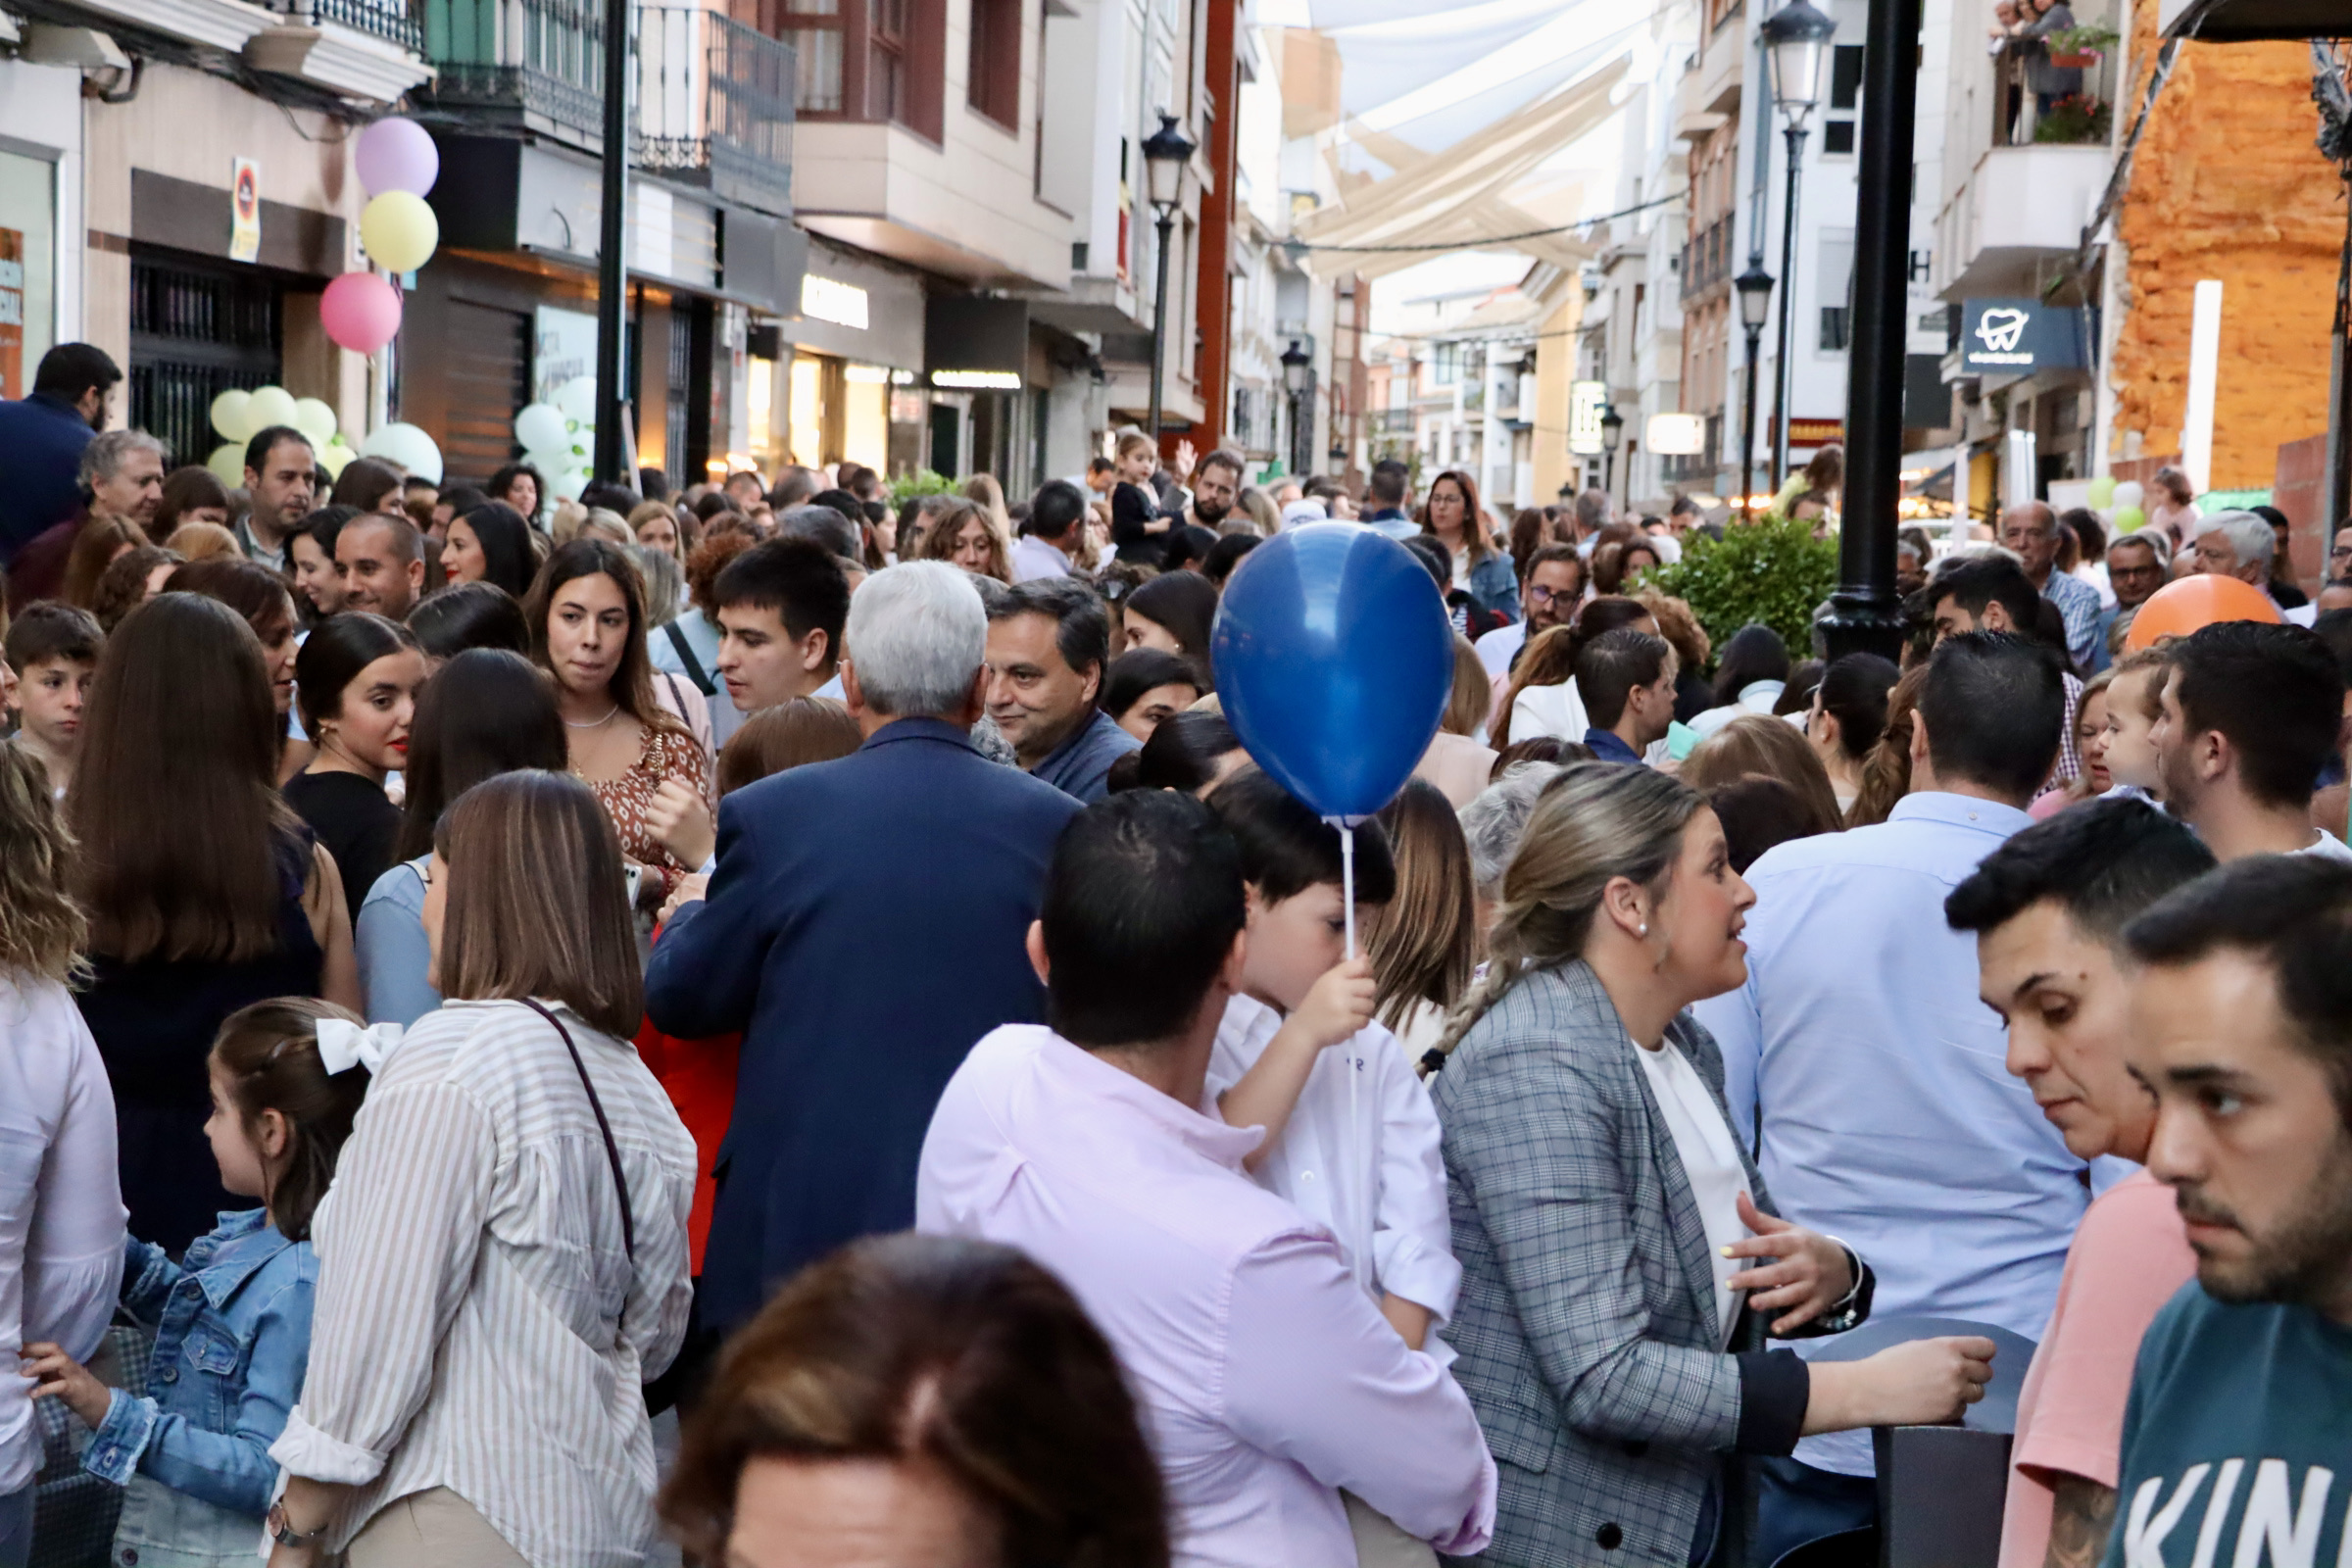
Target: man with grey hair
{"points": [[827, 526], [2229, 544], [1494, 822], [2033, 534], [797, 941], [1591, 515], [124, 472]]}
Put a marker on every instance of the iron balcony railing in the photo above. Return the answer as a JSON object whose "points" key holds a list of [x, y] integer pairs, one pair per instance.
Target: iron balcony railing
{"points": [[713, 98], [393, 20], [1707, 257]]}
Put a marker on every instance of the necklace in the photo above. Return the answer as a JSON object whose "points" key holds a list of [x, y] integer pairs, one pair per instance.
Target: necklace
{"points": [[594, 724]]}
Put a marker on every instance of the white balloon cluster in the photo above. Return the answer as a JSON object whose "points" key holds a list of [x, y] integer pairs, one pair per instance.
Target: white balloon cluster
{"points": [[239, 416], [556, 436]]}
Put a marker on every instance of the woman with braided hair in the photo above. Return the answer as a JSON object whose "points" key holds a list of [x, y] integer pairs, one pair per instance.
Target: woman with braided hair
{"points": [[1611, 1326]]}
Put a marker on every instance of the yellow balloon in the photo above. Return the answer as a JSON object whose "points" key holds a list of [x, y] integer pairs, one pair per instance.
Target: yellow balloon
{"points": [[335, 456], [227, 464], [267, 406], [229, 413], [398, 230]]}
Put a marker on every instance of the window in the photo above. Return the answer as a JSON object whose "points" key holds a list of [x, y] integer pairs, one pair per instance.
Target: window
{"points": [[1836, 290], [863, 60], [994, 85], [1845, 92]]}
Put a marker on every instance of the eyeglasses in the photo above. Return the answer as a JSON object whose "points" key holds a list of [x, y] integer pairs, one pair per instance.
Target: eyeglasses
{"points": [[1540, 595], [2340, 551]]}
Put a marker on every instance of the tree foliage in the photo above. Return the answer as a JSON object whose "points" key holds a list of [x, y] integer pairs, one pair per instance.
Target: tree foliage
{"points": [[1773, 573]]}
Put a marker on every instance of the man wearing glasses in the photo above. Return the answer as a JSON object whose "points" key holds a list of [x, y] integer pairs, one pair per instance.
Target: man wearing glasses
{"points": [[2136, 566], [1554, 587], [2337, 594]]}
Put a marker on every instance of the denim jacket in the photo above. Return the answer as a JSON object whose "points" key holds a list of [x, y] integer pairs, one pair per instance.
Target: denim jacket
{"points": [[1496, 586], [232, 1337]]}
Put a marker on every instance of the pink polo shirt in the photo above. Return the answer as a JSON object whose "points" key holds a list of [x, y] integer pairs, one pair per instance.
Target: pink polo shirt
{"points": [[2129, 1256], [1267, 1379]]}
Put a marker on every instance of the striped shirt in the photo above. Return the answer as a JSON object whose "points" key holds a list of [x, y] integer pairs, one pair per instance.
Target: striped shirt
{"points": [[471, 1274]]}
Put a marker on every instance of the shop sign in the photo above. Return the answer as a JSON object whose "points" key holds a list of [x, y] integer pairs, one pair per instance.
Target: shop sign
{"points": [[563, 351], [244, 211], [1586, 402], [826, 299], [2020, 336]]}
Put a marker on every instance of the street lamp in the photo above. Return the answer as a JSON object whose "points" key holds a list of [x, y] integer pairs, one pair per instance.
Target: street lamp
{"points": [[1166, 152], [1796, 47], [1755, 298], [1613, 433], [1298, 364]]}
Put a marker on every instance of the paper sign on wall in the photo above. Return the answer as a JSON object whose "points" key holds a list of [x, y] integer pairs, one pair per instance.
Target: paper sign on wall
{"points": [[12, 314], [245, 210]]}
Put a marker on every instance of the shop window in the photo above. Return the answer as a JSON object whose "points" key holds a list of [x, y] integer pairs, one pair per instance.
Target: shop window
{"points": [[28, 268], [861, 60], [994, 88]]}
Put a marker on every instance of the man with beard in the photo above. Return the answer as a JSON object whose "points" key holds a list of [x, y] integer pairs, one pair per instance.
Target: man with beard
{"points": [[2240, 1417], [2249, 717], [1548, 597], [1216, 488], [281, 476]]}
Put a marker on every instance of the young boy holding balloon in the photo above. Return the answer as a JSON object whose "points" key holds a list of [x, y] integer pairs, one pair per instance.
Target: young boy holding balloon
{"points": [[1350, 1136]]}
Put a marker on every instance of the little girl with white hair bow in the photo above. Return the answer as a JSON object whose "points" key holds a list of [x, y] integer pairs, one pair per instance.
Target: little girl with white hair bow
{"points": [[232, 1316]]}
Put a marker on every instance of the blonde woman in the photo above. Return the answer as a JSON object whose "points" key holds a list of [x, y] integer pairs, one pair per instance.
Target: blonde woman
{"points": [[983, 491], [1423, 943], [58, 1185], [1621, 1263]]}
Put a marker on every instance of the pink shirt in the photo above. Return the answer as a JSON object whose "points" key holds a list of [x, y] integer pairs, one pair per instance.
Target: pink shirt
{"points": [[1267, 1380], [2129, 1257]]}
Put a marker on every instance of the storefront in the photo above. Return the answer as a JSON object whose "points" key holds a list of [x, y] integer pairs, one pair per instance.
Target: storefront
{"points": [[41, 217], [841, 383]]}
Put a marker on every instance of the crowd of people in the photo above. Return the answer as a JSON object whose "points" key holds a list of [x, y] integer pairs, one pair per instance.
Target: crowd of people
{"points": [[789, 1025]]}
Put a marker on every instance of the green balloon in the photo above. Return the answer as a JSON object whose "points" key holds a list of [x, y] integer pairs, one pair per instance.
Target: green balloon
{"points": [[2129, 518], [2102, 491]]}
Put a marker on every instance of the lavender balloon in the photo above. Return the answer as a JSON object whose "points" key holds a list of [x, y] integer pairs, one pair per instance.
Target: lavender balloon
{"points": [[396, 155]]}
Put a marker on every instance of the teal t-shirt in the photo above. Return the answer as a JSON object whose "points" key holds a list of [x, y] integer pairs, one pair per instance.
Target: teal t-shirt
{"points": [[2237, 1440]]}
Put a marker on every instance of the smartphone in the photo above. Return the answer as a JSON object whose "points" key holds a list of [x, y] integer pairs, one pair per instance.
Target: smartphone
{"points": [[635, 876]]}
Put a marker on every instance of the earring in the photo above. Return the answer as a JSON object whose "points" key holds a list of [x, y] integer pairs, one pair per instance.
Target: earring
{"points": [[1643, 930]]}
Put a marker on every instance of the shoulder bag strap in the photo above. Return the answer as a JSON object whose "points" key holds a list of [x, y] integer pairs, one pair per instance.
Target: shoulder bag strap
{"points": [[694, 666], [628, 1221]]}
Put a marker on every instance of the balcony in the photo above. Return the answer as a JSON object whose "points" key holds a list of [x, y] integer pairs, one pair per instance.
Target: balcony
{"points": [[1707, 257], [715, 98], [2019, 207]]}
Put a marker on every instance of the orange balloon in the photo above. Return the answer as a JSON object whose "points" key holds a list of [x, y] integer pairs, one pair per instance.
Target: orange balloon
{"points": [[2180, 608]]}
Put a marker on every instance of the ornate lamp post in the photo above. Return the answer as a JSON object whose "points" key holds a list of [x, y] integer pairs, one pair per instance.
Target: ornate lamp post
{"points": [[1754, 288], [1166, 151], [1796, 49]]}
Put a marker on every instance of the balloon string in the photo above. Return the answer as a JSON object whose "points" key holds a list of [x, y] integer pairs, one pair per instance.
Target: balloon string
{"points": [[1348, 903]]}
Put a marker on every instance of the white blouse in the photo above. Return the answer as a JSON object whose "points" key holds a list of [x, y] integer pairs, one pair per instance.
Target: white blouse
{"points": [[1703, 1139], [61, 1201]]}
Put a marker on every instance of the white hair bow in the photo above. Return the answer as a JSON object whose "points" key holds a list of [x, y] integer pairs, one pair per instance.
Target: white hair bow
{"points": [[344, 1045]]}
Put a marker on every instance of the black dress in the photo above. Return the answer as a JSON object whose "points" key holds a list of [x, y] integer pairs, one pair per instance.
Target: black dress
{"points": [[154, 1022], [356, 821], [1131, 508]]}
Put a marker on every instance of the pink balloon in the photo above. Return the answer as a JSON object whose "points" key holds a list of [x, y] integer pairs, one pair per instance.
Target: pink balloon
{"points": [[360, 312], [396, 155]]}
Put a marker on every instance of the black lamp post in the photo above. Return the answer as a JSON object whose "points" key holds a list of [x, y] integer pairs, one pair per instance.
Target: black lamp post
{"points": [[1166, 151], [610, 460], [1612, 436], [1298, 366], [1754, 288], [1796, 47]]}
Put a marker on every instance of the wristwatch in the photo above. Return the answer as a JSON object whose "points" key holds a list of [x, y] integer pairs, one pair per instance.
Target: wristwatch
{"points": [[281, 1529]]}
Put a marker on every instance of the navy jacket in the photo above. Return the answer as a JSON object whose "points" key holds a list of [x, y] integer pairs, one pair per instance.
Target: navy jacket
{"points": [[41, 438], [865, 927]]}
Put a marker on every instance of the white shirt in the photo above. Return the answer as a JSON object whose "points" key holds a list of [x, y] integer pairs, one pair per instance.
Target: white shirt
{"points": [[832, 688], [470, 1270], [1267, 1381], [2327, 847], [1756, 697], [1031, 558], [1368, 1171], [1702, 1141], [1550, 711], [1496, 647], [61, 1203]]}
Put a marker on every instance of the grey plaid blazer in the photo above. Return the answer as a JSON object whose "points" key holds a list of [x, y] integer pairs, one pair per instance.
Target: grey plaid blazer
{"points": [[1586, 1325]]}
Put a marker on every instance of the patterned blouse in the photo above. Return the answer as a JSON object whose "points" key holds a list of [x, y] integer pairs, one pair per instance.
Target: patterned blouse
{"points": [[665, 754]]}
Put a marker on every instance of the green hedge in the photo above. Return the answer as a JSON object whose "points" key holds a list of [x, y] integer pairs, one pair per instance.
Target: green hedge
{"points": [[1773, 573]]}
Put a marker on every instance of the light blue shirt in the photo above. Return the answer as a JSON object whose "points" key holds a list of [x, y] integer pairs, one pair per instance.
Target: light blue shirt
{"points": [[1888, 1117], [395, 956]]}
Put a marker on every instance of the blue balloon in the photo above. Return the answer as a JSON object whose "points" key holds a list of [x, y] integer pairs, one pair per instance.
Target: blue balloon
{"points": [[1334, 659]]}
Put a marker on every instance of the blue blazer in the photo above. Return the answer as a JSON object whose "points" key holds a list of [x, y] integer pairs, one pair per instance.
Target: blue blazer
{"points": [[41, 439], [865, 927]]}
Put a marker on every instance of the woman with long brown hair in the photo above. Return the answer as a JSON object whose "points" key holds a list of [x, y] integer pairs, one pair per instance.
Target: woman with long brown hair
{"points": [[503, 1262], [1453, 517], [96, 544], [204, 892], [260, 595], [1887, 770], [961, 535], [1423, 943], [588, 625]]}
